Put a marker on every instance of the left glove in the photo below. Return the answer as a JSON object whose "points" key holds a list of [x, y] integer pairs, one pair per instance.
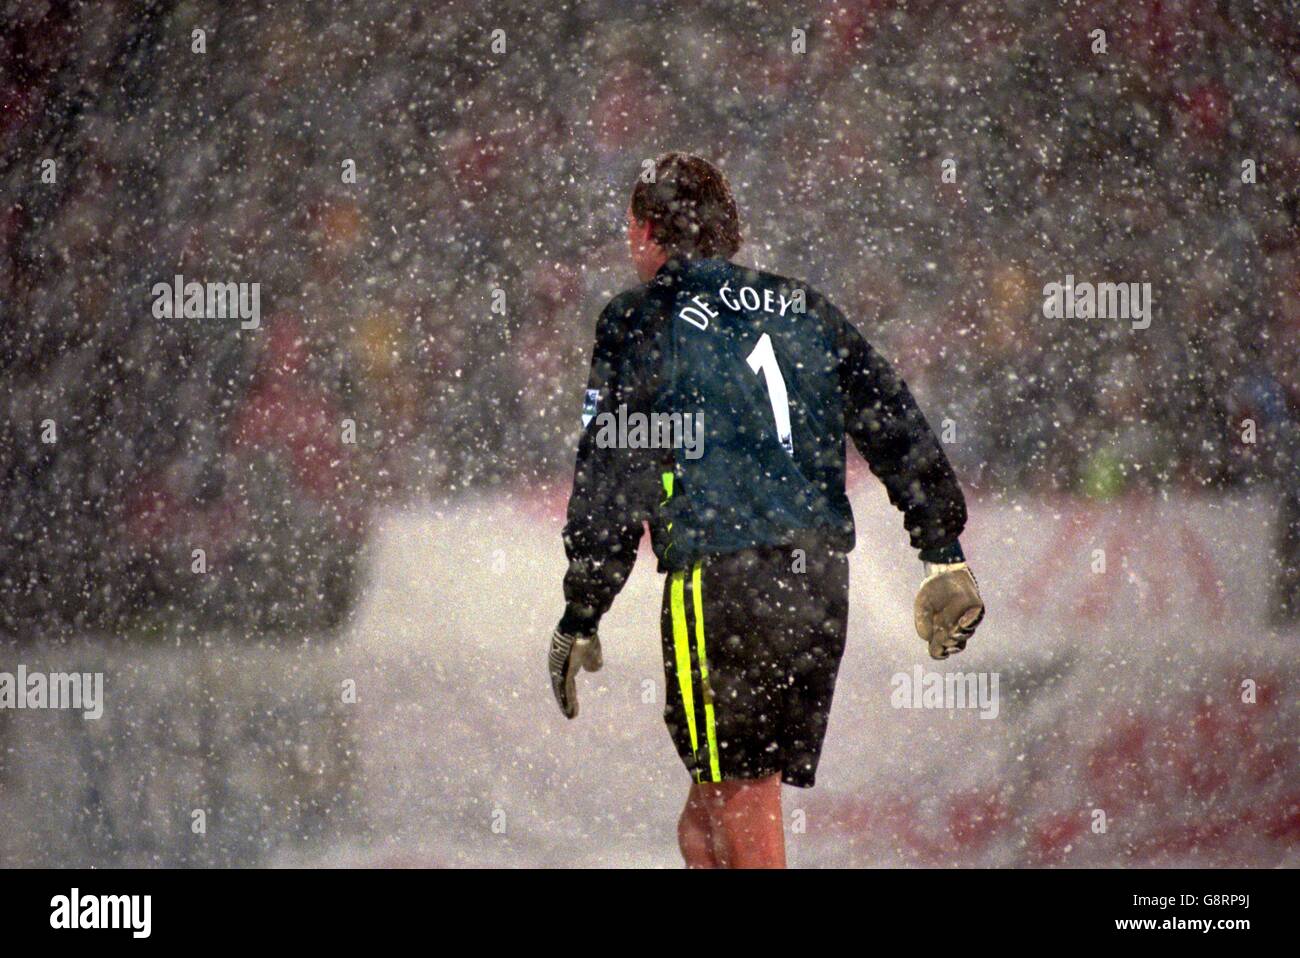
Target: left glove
{"points": [[569, 655], [948, 608]]}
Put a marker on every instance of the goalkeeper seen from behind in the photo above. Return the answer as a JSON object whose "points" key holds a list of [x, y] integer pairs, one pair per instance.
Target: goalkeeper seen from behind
{"points": [[751, 523]]}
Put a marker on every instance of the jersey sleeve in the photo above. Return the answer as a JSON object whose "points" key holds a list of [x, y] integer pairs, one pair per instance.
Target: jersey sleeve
{"points": [[609, 500], [901, 449]]}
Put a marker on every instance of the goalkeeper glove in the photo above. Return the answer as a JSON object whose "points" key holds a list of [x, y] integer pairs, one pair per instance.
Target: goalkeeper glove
{"points": [[570, 654], [948, 608]]}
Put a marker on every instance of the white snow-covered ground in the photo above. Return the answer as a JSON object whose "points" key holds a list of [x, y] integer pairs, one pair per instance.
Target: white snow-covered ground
{"points": [[1120, 694]]}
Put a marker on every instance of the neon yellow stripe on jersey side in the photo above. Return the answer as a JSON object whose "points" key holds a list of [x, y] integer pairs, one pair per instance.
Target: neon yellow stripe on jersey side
{"points": [[667, 479], [710, 726], [682, 653]]}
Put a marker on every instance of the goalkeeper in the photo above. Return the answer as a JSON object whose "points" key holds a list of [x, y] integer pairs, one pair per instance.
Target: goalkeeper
{"points": [[753, 528]]}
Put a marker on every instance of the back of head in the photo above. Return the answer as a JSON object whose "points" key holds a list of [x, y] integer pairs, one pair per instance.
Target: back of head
{"points": [[689, 207]]}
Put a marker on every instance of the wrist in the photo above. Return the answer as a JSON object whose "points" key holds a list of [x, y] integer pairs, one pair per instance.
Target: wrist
{"points": [[933, 569], [577, 623], [947, 554]]}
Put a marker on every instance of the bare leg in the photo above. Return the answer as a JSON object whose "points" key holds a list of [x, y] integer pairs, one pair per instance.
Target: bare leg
{"points": [[745, 822], [694, 835]]}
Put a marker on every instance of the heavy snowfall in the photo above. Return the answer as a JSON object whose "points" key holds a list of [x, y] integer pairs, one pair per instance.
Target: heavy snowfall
{"points": [[310, 541]]}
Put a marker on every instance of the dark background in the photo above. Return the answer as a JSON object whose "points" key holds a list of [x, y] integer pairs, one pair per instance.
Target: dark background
{"points": [[480, 171]]}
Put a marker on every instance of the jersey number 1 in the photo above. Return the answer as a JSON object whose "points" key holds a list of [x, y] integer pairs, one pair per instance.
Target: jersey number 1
{"points": [[763, 359]]}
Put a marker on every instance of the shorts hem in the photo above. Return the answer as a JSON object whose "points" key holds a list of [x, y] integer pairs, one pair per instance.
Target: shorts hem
{"points": [[793, 779]]}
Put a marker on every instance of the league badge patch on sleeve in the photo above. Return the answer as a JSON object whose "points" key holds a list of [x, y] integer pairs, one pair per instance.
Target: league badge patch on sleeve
{"points": [[589, 406]]}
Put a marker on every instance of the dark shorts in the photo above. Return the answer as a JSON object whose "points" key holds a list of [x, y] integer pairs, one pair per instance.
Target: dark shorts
{"points": [[750, 681]]}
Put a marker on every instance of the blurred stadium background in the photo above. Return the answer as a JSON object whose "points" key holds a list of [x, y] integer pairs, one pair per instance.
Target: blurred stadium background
{"points": [[480, 171]]}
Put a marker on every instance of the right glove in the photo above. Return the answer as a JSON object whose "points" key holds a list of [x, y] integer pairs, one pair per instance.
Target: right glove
{"points": [[569, 655], [948, 608]]}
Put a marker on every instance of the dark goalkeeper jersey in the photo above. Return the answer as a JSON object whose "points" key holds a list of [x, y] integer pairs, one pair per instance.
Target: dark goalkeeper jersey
{"points": [[716, 411]]}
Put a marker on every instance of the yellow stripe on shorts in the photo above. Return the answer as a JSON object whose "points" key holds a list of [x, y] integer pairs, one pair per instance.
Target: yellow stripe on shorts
{"points": [[682, 653], [711, 728]]}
